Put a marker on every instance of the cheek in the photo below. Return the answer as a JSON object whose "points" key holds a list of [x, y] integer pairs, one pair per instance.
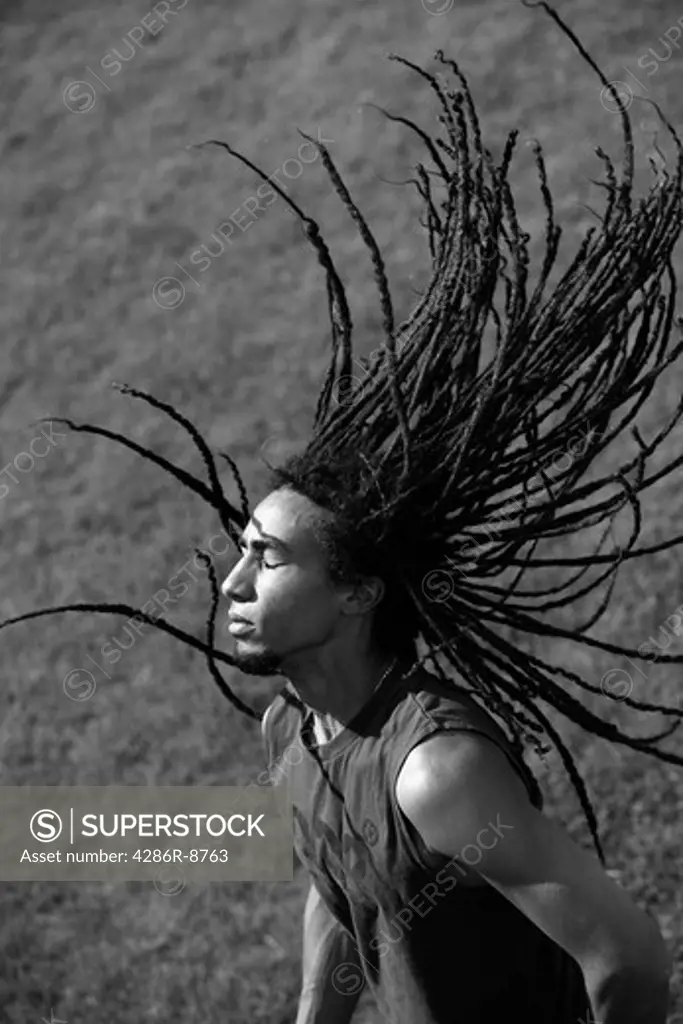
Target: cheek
{"points": [[298, 601]]}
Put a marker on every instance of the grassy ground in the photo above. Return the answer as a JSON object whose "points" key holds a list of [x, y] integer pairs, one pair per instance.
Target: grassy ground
{"points": [[103, 201]]}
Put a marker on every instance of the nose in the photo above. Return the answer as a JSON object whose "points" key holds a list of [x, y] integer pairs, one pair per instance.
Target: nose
{"points": [[237, 585]]}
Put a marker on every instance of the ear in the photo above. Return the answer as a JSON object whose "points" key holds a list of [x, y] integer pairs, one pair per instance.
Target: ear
{"points": [[362, 596]]}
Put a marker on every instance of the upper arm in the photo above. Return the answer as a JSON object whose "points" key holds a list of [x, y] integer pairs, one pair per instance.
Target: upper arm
{"points": [[461, 790], [317, 915], [324, 939]]}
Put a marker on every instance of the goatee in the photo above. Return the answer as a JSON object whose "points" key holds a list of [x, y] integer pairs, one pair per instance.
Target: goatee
{"points": [[258, 663]]}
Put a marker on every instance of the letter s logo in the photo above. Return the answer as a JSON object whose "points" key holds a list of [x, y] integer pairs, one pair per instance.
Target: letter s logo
{"points": [[46, 826]]}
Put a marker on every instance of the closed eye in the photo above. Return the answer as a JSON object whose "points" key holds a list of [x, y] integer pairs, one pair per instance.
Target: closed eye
{"points": [[259, 558]]}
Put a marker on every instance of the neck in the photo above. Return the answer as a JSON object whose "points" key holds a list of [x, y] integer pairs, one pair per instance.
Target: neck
{"points": [[337, 689]]}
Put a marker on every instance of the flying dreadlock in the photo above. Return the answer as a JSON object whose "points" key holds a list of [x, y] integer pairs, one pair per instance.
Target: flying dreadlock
{"points": [[439, 455]]}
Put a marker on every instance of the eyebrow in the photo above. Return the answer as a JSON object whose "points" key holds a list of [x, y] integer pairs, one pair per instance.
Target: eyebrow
{"points": [[271, 544]]}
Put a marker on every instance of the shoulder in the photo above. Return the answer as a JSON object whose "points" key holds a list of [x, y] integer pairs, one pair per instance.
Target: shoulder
{"points": [[267, 714], [456, 763], [279, 724], [435, 703], [453, 784]]}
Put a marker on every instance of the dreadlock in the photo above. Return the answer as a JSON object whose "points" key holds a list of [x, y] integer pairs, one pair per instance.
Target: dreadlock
{"points": [[438, 455]]}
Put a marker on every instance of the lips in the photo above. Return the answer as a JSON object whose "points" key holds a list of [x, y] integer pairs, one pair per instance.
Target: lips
{"points": [[240, 626]]}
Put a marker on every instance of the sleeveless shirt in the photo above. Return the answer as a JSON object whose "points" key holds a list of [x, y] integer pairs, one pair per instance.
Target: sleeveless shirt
{"points": [[432, 951]]}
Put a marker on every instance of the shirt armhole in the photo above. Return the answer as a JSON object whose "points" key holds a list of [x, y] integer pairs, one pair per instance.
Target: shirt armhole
{"points": [[424, 854], [518, 769]]}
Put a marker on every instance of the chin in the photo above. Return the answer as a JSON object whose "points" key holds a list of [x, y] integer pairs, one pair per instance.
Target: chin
{"points": [[253, 662]]}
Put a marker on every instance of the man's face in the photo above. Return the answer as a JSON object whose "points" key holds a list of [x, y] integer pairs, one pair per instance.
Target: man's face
{"points": [[283, 588]]}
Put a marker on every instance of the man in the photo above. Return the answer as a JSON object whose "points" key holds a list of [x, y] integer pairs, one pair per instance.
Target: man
{"points": [[470, 904]]}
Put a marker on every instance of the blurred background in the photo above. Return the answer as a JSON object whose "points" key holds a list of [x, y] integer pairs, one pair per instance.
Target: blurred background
{"points": [[115, 269]]}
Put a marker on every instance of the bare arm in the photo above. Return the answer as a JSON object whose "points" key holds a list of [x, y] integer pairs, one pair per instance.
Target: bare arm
{"points": [[456, 790], [332, 975]]}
